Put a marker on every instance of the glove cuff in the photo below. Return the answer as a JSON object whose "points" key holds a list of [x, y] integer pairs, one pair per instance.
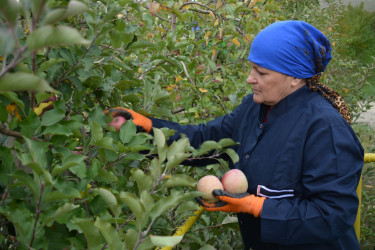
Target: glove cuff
{"points": [[255, 205], [141, 120]]}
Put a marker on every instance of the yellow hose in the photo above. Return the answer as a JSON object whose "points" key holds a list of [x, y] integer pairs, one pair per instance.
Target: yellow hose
{"points": [[369, 157], [185, 226]]}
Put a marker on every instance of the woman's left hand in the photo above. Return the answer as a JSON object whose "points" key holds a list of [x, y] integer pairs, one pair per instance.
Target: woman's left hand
{"points": [[237, 203]]}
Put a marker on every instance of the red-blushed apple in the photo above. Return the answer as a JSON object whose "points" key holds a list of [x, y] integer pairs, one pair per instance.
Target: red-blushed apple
{"points": [[234, 181], [117, 122], [207, 184]]}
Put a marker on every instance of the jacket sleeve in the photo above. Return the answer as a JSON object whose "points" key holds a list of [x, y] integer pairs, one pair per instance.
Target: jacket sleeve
{"points": [[215, 130], [327, 208]]}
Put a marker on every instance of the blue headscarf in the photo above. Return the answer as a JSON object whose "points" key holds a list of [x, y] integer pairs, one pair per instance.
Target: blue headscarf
{"points": [[293, 48]]}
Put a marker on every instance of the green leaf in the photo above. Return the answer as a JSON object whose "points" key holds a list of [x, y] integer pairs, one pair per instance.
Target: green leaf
{"points": [[10, 9], [48, 35], [92, 233], [128, 131], [165, 241], [144, 182], [131, 238], [159, 141], [25, 179], [55, 115], [227, 142], [178, 13], [3, 114], [57, 129], [69, 193], [180, 180], [176, 159], [96, 132], [116, 38], [206, 147], [233, 155], [135, 206], [105, 142], [110, 200], [179, 146], [141, 44], [109, 233], [7, 164], [155, 168], [166, 203], [106, 176], [14, 98], [66, 208], [30, 125], [37, 153], [54, 16], [75, 8], [48, 64], [22, 81], [22, 220], [69, 162], [7, 42]]}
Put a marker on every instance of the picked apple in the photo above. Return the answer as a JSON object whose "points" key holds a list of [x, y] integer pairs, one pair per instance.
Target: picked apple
{"points": [[207, 184], [234, 181], [117, 122]]}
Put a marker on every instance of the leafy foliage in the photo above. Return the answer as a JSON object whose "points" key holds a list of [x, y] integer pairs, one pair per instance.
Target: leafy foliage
{"points": [[66, 178]]}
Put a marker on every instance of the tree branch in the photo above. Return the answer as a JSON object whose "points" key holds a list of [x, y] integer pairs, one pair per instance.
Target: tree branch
{"points": [[38, 212], [62, 77], [191, 80], [5, 131], [16, 59]]}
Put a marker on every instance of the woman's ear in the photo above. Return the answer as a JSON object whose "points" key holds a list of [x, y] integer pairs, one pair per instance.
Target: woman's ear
{"points": [[296, 82]]}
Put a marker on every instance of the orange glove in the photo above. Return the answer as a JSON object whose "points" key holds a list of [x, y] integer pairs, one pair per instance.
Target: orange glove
{"points": [[237, 203], [143, 123]]}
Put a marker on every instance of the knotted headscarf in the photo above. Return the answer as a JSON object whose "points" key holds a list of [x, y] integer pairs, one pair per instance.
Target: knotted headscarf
{"points": [[298, 49]]}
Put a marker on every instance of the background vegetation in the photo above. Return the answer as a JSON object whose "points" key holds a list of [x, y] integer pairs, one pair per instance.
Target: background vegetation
{"points": [[68, 180]]}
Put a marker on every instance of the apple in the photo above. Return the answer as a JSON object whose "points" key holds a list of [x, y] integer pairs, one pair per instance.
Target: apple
{"points": [[234, 181], [207, 184], [154, 8], [117, 122]]}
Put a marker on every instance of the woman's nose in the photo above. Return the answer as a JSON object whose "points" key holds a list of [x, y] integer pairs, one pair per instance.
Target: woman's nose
{"points": [[250, 79]]}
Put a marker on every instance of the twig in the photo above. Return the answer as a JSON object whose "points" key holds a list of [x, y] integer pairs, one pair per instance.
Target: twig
{"points": [[198, 3], [12, 29], [5, 131], [191, 80], [242, 34], [62, 77], [178, 110], [38, 212], [152, 68], [221, 104], [16, 59], [203, 228]]}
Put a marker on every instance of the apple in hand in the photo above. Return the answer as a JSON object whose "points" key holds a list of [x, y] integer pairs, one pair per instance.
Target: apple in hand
{"points": [[234, 181], [207, 184], [117, 122]]}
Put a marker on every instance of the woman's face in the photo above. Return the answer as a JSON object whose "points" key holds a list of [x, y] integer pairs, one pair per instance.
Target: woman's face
{"points": [[270, 87]]}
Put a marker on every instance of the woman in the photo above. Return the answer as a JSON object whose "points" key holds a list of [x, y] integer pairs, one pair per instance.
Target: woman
{"points": [[300, 155]]}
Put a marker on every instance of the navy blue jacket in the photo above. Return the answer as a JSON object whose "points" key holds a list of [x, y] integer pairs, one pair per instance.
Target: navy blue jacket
{"points": [[305, 159]]}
